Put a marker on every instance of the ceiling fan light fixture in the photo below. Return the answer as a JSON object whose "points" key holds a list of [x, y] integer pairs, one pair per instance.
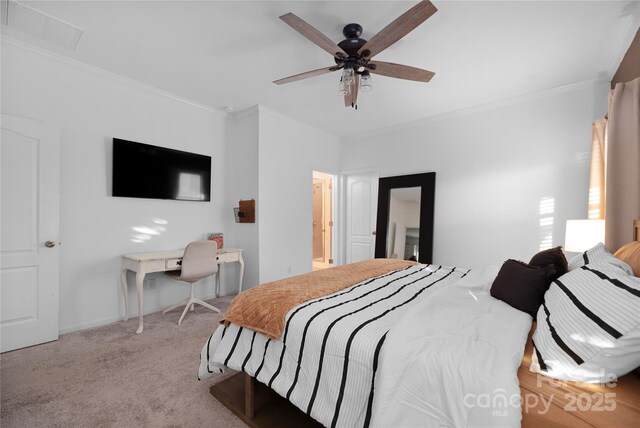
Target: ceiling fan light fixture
{"points": [[343, 89], [365, 81], [348, 76]]}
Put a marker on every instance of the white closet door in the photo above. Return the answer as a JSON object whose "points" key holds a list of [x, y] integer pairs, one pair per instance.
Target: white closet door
{"points": [[361, 213], [30, 215]]}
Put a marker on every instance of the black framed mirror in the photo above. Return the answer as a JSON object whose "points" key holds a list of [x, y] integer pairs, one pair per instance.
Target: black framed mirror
{"points": [[404, 228]]}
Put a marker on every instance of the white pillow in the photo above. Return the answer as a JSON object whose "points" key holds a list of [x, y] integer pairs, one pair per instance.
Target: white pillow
{"points": [[599, 253], [588, 328]]}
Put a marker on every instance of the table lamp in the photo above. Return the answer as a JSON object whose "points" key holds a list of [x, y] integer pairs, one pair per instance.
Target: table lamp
{"points": [[583, 234]]}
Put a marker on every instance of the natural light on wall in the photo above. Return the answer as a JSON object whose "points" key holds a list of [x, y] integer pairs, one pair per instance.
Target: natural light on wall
{"points": [[145, 233], [547, 208]]}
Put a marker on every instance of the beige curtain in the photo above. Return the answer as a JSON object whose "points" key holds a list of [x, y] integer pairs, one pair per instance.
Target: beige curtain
{"points": [[623, 164], [597, 175]]}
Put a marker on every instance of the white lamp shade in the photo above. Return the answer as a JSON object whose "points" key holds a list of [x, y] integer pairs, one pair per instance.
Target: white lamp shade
{"points": [[583, 234]]}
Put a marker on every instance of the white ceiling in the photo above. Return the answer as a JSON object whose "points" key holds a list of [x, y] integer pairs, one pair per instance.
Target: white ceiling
{"points": [[228, 53]]}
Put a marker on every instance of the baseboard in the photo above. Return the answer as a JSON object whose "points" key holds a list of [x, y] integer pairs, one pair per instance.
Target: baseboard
{"points": [[112, 320], [85, 326]]}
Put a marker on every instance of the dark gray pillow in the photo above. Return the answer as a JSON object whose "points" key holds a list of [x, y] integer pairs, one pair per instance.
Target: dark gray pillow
{"points": [[552, 256], [522, 286]]}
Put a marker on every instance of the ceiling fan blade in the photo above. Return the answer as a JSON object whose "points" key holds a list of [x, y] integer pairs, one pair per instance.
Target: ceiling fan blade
{"points": [[398, 28], [400, 71], [351, 98], [305, 75], [314, 35]]}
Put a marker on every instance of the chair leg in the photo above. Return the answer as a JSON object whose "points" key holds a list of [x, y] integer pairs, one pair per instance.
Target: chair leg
{"points": [[177, 305], [190, 304], [206, 305], [186, 308]]}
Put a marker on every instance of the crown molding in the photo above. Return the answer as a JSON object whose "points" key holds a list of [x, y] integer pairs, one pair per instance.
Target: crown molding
{"points": [[267, 110], [108, 74], [532, 96], [259, 109], [254, 109]]}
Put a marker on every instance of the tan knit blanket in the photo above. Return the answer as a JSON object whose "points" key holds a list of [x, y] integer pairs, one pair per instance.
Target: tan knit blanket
{"points": [[263, 308]]}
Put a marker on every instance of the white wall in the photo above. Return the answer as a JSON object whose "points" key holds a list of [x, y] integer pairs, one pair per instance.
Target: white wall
{"points": [[271, 158], [289, 153], [242, 183], [96, 229], [494, 167]]}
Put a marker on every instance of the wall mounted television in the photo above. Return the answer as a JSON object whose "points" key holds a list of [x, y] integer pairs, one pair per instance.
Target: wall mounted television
{"points": [[146, 171]]}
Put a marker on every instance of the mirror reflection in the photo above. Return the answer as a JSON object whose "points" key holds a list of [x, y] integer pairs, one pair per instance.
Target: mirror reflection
{"points": [[403, 234]]}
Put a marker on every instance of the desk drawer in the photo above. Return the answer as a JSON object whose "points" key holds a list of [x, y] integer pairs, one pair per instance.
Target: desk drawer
{"points": [[173, 263], [228, 257]]}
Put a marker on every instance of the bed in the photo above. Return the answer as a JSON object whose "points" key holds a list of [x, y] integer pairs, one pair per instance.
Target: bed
{"points": [[354, 358]]}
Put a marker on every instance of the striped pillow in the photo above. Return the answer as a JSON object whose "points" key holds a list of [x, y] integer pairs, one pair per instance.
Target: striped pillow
{"points": [[588, 328], [599, 253]]}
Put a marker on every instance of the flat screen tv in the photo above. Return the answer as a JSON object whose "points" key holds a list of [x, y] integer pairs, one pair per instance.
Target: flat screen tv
{"points": [[146, 171]]}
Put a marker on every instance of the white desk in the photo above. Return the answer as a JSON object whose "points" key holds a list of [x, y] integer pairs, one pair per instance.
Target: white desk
{"points": [[164, 261]]}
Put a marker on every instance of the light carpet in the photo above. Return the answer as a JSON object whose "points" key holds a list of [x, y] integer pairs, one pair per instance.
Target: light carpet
{"points": [[110, 376]]}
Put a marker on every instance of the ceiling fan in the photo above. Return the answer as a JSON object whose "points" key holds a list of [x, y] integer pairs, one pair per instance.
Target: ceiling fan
{"points": [[353, 55]]}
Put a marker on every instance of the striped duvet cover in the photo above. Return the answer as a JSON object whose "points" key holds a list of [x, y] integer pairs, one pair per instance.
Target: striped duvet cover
{"points": [[326, 360]]}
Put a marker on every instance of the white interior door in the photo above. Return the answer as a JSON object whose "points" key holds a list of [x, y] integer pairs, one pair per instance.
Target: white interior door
{"points": [[29, 232], [361, 198]]}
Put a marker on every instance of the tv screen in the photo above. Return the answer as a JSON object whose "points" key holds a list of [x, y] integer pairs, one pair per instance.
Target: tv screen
{"points": [[146, 171]]}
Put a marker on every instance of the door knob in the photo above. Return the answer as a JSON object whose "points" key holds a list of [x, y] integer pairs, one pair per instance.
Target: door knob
{"points": [[49, 244]]}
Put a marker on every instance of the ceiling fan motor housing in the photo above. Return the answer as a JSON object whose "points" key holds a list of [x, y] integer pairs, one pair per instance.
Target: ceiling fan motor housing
{"points": [[352, 44], [352, 30]]}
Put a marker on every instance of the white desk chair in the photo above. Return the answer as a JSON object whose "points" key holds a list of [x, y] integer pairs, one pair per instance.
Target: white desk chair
{"points": [[198, 262]]}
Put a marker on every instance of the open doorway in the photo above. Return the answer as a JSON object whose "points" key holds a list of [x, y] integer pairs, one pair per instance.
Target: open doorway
{"points": [[322, 220]]}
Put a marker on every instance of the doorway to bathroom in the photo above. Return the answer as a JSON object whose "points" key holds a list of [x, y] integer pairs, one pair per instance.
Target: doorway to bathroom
{"points": [[322, 220]]}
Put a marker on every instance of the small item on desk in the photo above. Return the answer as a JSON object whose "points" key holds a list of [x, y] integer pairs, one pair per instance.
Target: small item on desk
{"points": [[218, 237]]}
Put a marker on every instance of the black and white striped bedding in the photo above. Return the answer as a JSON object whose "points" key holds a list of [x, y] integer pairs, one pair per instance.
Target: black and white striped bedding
{"points": [[326, 361], [583, 322]]}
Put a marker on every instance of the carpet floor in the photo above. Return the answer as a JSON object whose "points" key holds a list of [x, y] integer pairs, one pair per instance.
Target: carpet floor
{"points": [[112, 377]]}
